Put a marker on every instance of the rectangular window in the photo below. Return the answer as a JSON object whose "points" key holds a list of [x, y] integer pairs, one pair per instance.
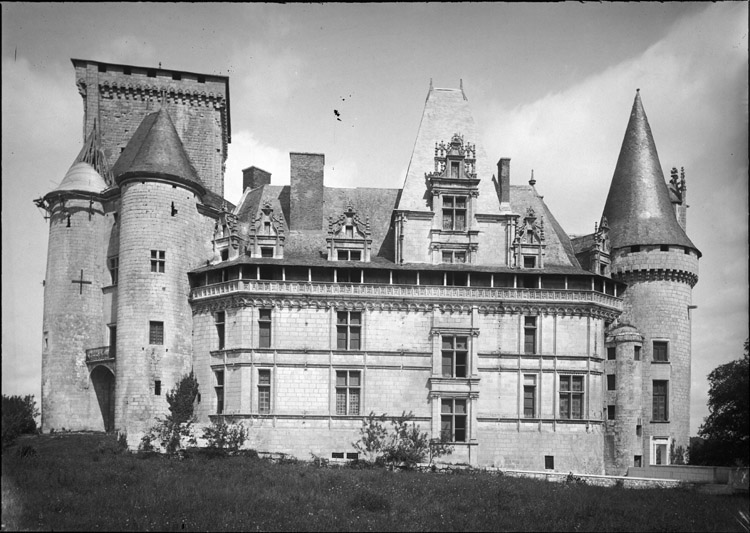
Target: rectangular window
{"points": [[454, 213], [453, 420], [112, 341], [156, 332], [637, 461], [348, 330], [549, 462], [610, 382], [264, 328], [637, 353], [610, 412], [454, 170], [660, 411], [349, 255], [266, 252], [529, 334], [158, 260], [529, 396], [219, 391], [529, 261], [611, 353], [455, 354], [454, 257], [220, 328], [264, 391], [661, 353], [114, 268], [157, 387], [571, 397], [348, 386], [349, 232]]}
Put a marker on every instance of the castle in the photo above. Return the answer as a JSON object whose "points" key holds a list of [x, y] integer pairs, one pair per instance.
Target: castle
{"points": [[303, 308]]}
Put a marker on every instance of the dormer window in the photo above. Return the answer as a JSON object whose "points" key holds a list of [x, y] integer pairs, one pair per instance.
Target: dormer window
{"points": [[349, 238], [267, 235], [349, 255], [454, 213], [529, 243], [529, 262], [454, 257], [455, 169]]}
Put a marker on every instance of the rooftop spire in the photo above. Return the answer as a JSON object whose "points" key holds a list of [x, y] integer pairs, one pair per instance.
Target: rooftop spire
{"points": [[638, 207]]}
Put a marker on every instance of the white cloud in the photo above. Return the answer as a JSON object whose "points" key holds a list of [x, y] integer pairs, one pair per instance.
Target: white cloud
{"points": [[245, 151]]}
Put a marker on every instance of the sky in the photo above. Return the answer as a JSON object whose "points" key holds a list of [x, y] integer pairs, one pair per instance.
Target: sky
{"points": [[550, 85]]}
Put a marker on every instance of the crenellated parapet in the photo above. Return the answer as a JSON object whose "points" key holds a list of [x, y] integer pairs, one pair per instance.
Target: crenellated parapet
{"points": [[656, 263]]}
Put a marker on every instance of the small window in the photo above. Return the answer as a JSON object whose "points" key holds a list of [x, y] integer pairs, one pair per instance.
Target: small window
{"points": [[156, 332], [112, 341], [349, 255], [348, 330], [637, 353], [158, 260], [352, 456], [102, 68], [151, 73], [201, 79], [224, 255], [611, 382], [337, 455], [264, 391], [611, 353], [176, 76], [610, 412], [114, 268], [639, 430], [529, 335], [126, 71], [453, 420], [634, 249], [219, 391], [529, 396], [549, 462], [264, 328], [454, 257], [157, 387], [266, 251], [348, 386], [455, 353], [637, 461], [660, 401], [529, 261], [454, 169], [220, 318], [664, 248], [661, 352]]}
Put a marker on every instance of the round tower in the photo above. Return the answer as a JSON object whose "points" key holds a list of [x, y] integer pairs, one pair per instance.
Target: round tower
{"points": [[73, 327], [659, 263], [159, 221]]}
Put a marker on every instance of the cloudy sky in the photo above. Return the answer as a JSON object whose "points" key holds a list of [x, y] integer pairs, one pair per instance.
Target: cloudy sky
{"points": [[551, 87]]}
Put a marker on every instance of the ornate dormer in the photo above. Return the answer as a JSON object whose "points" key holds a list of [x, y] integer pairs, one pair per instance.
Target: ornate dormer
{"points": [[267, 234], [600, 258], [226, 238], [349, 238], [529, 242]]}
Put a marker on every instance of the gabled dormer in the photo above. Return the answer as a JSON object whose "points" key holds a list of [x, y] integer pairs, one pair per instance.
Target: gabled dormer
{"points": [[529, 242], [349, 238], [267, 234], [226, 238]]}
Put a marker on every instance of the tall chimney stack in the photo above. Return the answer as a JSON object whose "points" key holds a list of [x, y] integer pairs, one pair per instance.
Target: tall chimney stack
{"points": [[254, 177], [306, 191], [503, 173]]}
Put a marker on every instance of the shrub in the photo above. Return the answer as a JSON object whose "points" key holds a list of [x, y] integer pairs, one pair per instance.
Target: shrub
{"points": [[177, 426], [18, 417], [405, 445], [226, 437]]}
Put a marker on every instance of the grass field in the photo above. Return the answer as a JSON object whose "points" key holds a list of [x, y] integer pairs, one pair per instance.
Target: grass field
{"points": [[78, 482]]}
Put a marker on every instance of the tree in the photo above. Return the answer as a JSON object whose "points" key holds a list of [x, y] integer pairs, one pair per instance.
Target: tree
{"points": [[178, 423], [726, 430], [18, 417]]}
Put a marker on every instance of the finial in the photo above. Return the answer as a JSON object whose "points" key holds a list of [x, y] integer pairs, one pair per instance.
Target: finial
{"points": [[159, 64], [430, 83], [532, 181], [638, 90]]}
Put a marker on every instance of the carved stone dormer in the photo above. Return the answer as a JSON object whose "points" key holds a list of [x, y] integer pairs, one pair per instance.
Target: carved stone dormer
{"points": [[529, 242], [226, 238], [267, 235], [678, 195], [349, 238], [600, 261]]}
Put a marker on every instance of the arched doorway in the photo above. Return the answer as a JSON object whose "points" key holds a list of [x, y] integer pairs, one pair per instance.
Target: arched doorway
{"points": [[104, 384]]}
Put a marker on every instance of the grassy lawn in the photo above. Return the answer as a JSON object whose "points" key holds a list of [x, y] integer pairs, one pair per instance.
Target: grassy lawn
{"points": [[76, 482]]}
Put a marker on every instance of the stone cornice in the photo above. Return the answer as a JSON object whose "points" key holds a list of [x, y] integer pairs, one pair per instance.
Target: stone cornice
{"points": [[680, 276]]}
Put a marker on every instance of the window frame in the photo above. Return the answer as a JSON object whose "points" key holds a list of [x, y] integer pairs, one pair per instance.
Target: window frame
{"points": [[451, 257], [660, 409], [264, 391], [219, 376], [113, 264], [453, 354], [663, 351], [451, 211], [265, 328], [611, 382], [346, 327], [347, 391], [158, 261], [451, 417], [530, 326], [156, 333], [220, 323], [529, 385], [571, 394]]}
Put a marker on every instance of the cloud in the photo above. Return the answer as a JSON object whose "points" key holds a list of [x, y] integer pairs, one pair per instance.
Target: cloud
{"points": [[245, 151]]}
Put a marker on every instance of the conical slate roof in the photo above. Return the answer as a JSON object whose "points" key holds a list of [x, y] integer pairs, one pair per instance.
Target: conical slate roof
{"points": [[156, 151], [89, 173], [638, 208], [446, 112]]}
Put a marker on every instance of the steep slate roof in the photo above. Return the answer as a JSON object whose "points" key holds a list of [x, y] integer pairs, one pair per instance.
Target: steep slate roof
{"points": [[638, 207], [156, 151], [446, 112]]}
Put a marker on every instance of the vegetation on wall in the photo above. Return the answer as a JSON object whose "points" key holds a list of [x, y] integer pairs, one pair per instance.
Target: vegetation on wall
{"points": [[18, 417], [168, 433]]}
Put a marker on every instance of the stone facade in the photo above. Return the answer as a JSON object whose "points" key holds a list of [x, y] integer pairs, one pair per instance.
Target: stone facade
{"points": [[458, 298]]}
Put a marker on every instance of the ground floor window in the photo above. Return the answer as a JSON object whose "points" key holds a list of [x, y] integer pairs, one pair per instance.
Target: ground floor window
{"points": [[348, 387], [219, 391], [659, 450], [453, 420], [264, 391]]}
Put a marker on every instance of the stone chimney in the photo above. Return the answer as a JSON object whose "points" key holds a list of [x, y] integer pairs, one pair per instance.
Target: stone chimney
{"points": [[503, 174], [254, 177], [306, 191]]}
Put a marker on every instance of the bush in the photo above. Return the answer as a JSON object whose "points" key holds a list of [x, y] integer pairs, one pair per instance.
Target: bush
{"points": [[177, 426], [18, 417], [228, 438], [405, 445]]}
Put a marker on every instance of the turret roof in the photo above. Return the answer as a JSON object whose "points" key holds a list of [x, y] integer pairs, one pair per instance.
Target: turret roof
{"points": [[638, 207], [90, 172], [156, 151]]}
